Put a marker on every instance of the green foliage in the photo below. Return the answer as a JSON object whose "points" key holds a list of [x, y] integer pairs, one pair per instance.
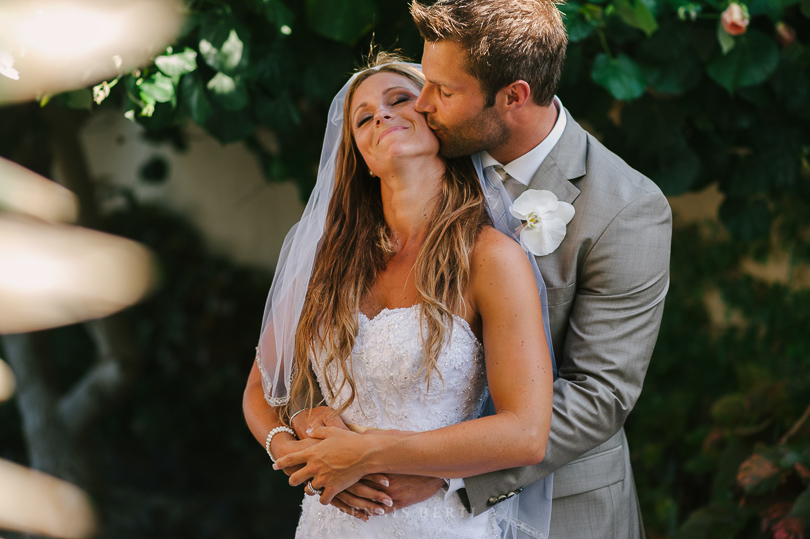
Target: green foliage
{"points": [[621, 76], [344, 21], [721, 436], [700, 106], [752, 61]]}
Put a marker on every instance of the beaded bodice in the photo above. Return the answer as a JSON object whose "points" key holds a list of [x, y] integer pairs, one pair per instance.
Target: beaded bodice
{"points": [[387, 365]]}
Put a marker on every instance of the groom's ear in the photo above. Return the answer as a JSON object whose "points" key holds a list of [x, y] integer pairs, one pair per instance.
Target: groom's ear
{"points": [[515, 95]]}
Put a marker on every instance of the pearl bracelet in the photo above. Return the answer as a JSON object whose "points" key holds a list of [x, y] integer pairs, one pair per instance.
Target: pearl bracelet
{"points": [[270, 439]]}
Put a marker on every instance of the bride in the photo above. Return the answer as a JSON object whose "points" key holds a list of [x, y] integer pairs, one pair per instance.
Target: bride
{"points": [[398, 302]]}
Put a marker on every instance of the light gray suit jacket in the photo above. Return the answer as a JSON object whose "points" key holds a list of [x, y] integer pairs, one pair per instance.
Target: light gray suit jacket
{"points": [[606, 286]]}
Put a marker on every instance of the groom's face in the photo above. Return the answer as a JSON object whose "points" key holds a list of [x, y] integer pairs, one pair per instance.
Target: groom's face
{"points": [[454, 104]]}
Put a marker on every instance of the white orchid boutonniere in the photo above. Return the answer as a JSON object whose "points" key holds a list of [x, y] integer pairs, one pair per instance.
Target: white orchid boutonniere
{"points": [[545, 220]]}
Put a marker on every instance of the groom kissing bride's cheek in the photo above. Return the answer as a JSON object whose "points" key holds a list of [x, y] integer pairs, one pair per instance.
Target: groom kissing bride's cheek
{"points": [[448, 166]]}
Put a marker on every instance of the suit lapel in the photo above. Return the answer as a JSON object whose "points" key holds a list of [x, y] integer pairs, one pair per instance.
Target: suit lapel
{"points": [[565, 162]]}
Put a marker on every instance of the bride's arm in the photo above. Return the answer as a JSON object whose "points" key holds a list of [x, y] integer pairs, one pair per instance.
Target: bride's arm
{"points": [[520, 381], [261, 419]]}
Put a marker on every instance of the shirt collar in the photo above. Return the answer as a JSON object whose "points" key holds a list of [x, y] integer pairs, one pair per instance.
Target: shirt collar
{"points": [[523, 168]]}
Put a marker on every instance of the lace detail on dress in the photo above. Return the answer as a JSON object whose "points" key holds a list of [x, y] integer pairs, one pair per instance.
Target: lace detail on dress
{"points": [[268, 382], [392, 393]]}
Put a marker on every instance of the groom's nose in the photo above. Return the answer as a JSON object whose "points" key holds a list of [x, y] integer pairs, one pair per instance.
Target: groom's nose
{"points": [[423, 102]]}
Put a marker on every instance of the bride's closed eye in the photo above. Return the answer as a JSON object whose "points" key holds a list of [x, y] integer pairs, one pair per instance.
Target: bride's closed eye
{"points": [[402, 98], [398, 100]]}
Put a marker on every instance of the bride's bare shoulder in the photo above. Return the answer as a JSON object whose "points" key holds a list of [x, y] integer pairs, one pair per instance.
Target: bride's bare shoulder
{"points": [[495, 253], [501, 277], [492, 242]]}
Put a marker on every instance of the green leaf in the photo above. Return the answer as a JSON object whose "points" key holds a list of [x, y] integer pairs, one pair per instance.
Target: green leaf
{"points": [[576, 25], [746, 220], [194, 99], [638, 16], [622, 77], [175, 65], [344, 21], [725, 39], [230, 93], [158, 87], [752, 61], [805, 8], [801, 508], [78, 99], [223, 45]]}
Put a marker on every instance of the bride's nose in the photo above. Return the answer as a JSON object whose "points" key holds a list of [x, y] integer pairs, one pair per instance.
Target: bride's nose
{"points": [[383, 114]]}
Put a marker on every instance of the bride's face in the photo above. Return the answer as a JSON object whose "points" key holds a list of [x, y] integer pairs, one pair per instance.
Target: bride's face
{"points": [[385, 124]]}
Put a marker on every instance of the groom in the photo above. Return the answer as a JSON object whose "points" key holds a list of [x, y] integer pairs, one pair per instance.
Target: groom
{"points": [[492, 69]]}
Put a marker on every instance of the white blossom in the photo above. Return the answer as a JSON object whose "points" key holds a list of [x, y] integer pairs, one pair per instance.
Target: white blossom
{"points": [[545, 220]]}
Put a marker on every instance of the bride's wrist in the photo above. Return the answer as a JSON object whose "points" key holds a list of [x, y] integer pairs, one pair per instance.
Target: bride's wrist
{"points": [[280, 445]]}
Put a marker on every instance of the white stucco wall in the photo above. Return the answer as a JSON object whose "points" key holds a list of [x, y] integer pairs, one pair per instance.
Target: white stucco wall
{"points": [[219, 188]]}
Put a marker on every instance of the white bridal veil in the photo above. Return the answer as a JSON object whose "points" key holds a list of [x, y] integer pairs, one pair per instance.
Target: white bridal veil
{"points": [[523, 516]]}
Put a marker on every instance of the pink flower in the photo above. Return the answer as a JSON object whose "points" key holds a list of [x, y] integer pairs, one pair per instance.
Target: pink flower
{"points": [[735, 19], [785, 34]]}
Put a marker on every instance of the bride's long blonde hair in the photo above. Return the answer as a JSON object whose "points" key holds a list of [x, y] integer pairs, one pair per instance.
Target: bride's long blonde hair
{"points": [[356, 246]]}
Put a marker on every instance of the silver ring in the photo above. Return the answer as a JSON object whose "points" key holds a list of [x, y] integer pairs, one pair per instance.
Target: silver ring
{"points": [[313, 490]]}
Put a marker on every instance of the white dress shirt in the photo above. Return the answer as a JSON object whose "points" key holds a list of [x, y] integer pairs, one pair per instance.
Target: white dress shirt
{"points": [[524, 167]]}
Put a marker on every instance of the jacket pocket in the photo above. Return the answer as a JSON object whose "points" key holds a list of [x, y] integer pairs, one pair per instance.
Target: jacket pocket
{"points": [[563, 294], [590, 473]]}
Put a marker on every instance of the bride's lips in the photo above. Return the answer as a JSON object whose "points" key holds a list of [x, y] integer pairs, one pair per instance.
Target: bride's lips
{"points": [[391, 130]]}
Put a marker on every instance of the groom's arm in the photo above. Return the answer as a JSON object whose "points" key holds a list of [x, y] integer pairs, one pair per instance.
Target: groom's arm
{"points": [[612, 329]]}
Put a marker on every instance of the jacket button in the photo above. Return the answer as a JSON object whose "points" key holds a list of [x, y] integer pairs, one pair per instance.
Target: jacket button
{"points": [[518, 491], [501, 498], [511, 494], [492, 501]]}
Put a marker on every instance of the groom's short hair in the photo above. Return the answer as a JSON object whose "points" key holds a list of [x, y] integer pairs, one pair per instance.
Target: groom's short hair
{"points": [[506, 40]]}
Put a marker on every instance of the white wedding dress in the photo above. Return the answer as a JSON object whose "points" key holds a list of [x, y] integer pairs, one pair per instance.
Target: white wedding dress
{"points": [[392, 394]]}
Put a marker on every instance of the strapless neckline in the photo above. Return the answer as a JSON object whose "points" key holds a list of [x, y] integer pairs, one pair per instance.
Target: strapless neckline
{"points": [[395, 310]]}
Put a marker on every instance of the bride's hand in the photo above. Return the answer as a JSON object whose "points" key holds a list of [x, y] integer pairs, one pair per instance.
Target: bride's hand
{"points": [[334, 464], [294, 446]]}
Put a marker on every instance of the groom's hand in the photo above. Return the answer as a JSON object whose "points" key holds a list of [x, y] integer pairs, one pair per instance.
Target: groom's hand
{"points": [[377, 494], [320, 416], [407, 490], [365, 498]]}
